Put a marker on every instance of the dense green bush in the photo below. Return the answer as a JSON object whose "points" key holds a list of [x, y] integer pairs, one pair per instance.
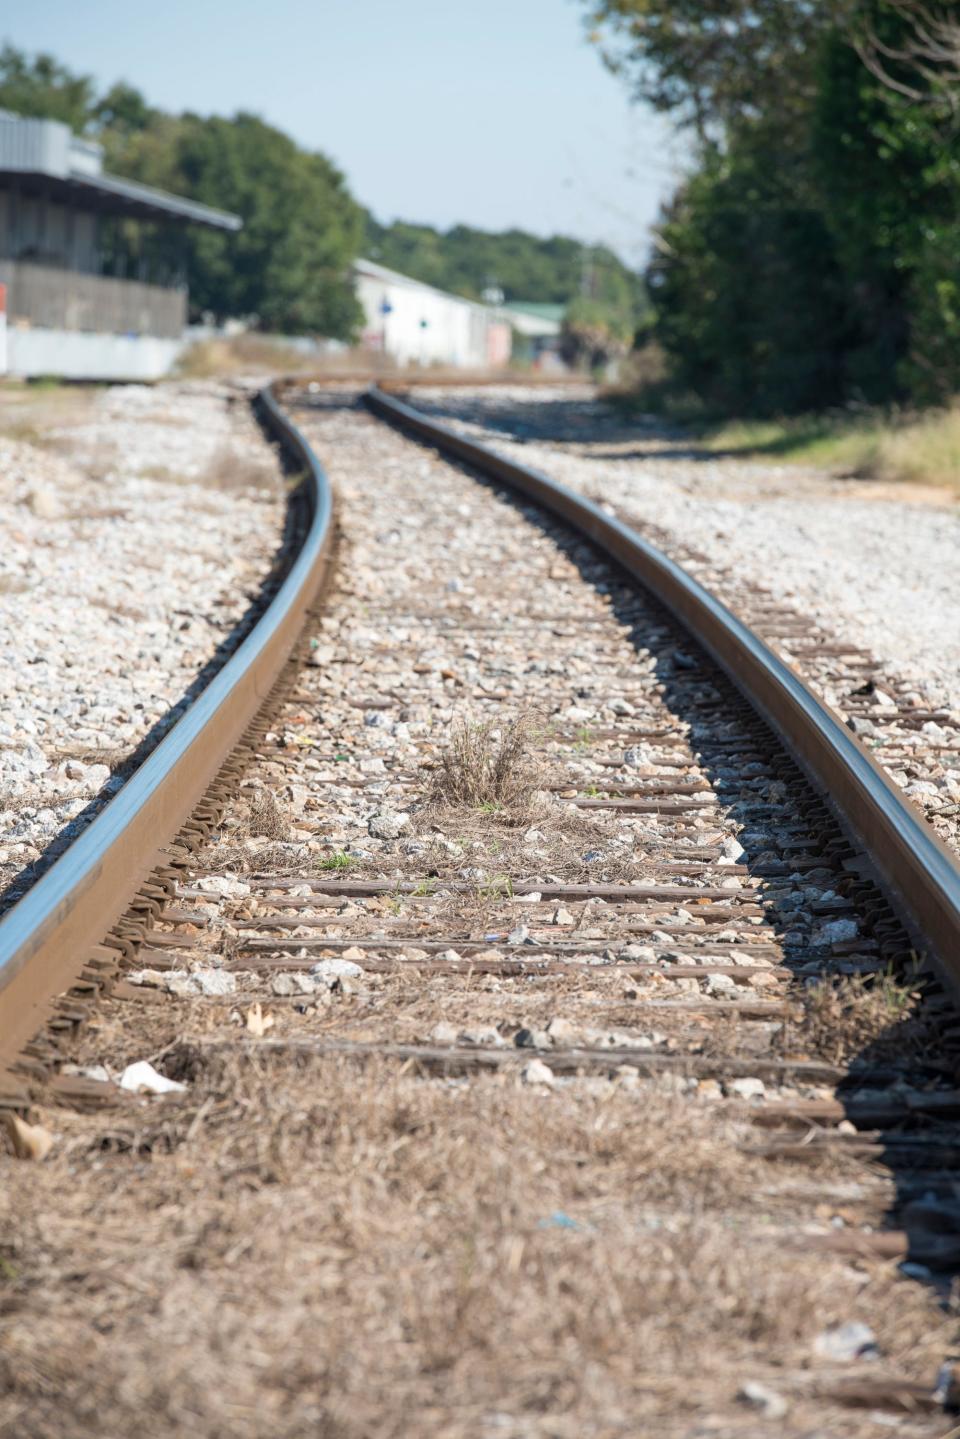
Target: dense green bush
{"points": [[289, 264], [747, 291], [813, 258]]}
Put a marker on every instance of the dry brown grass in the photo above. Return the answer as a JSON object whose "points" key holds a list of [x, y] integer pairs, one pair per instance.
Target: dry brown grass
{"points": [[487, 767], [217, 358], [112, 755], [840, 1018], [233, 470], [230, 470], [267, 817], [243, 354], [115, 607], [312, 1248], [30, 413]]}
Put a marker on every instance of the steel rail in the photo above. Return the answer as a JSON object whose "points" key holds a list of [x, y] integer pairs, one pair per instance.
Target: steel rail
{"points": [[46, 936], [919, 873]]}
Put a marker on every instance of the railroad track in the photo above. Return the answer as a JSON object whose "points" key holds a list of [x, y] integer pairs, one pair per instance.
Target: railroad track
{"points": [[622, 969]]}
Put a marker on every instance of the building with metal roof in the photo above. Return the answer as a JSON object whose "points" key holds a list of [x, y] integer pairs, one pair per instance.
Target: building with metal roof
{"points": [[416, 324], [64, 316], [535, 318], [537, 331]]}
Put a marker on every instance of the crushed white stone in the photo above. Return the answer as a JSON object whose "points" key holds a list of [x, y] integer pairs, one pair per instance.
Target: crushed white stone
{"points": [[879, 572], [134, 539]]}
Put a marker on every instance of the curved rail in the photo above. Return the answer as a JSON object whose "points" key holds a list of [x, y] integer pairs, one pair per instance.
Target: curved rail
{"points": [[46, 937], [919, 873]]}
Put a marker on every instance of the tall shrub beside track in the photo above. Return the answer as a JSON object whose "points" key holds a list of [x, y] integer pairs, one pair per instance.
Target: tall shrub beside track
{"points": [[811, 258]]}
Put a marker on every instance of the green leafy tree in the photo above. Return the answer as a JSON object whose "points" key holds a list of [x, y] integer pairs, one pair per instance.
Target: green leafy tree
{"points": [[712, 63], [888, 174], [747, 289], [811, 258], [468, 261], [595, 331], [123, 110], [43, 88], [288, 266]]}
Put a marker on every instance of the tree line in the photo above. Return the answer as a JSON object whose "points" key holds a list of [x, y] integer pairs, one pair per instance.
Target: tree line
{"points": [[288, 269], [812, 257], [604, 301]]}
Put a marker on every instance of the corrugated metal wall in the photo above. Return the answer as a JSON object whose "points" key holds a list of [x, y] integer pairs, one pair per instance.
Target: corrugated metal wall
{"points": [[55, 299], [40, 229], [424, 326]]}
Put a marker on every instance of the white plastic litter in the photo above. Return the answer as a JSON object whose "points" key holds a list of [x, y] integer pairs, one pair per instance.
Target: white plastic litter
{"points": [[142, 1078]]}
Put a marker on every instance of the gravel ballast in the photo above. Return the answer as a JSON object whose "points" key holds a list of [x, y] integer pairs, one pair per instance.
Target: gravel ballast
{"points": [[861, 564], [882, 570], [136, 536]]}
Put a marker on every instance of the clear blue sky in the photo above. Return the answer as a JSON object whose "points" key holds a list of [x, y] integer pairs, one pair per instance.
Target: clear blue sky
{"points": [[495, 113]]}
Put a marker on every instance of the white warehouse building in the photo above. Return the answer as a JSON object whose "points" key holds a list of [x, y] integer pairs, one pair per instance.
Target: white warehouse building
{"points": [[416, 324]]}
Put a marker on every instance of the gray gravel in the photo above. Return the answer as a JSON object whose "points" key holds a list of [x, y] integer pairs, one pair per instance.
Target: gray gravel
{"points": [[134, 539], [846, 564], [879, 571]]}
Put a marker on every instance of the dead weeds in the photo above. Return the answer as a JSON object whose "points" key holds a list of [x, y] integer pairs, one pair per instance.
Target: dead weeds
{"points": [[841, 1018], [310, 1246], [267, 818], [233, 470], [489, 768]]}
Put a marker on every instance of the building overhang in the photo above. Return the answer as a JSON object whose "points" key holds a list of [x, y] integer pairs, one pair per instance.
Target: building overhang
{"points": [[43, 157], [110, 195]]}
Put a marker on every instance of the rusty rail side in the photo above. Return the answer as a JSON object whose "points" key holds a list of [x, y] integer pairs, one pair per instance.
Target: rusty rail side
{"points": [[46, 937], [919, 872]]}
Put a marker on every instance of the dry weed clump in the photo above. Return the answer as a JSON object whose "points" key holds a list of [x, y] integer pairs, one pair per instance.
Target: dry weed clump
{"points": [[222, 357], [219, 358], [841, 1018], [279, 856], [42, 415], [232, 470], [488, 768], [267, 819]]}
